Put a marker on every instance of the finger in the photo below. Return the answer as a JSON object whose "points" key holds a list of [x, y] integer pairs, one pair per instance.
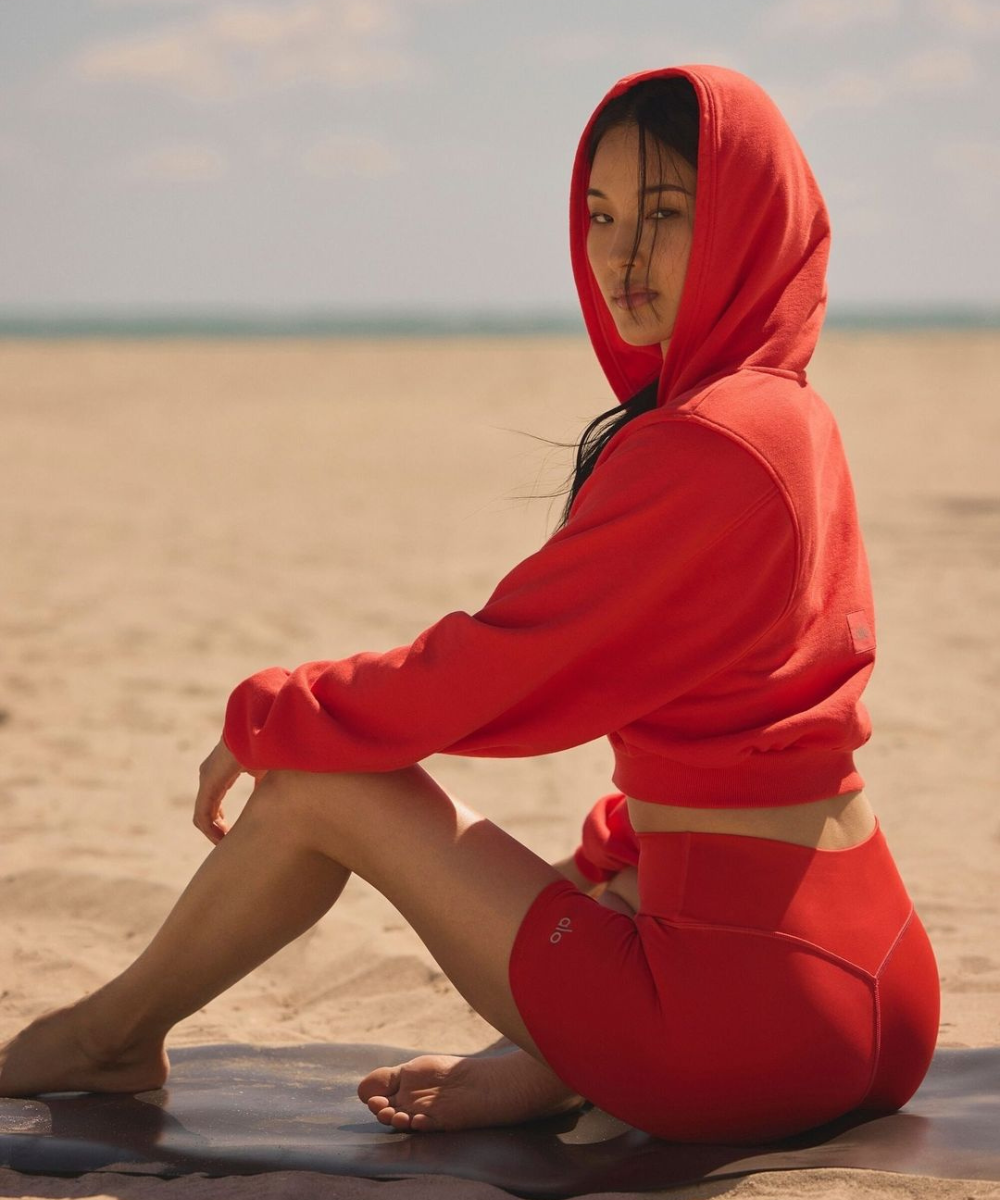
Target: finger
{"points": [[208, 815], [217, 775], [212, 825]]}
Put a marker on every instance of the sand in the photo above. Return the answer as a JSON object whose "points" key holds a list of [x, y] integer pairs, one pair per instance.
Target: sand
{"points": [[177, 515]]}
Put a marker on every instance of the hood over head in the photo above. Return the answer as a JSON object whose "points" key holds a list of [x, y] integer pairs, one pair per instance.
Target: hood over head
{"points": [[755, 290]]}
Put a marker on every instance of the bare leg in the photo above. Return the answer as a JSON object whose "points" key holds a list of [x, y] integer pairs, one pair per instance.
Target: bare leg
{"points": [[461, 1092], [462, 883], [242, 905]]}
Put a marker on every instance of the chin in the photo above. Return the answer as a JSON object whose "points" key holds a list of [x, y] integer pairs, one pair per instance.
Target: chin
{"points": [[641, 333], [640, 337]]}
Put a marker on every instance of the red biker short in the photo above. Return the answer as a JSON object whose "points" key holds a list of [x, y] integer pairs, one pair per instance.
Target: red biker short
{"points": [[762, 988]]}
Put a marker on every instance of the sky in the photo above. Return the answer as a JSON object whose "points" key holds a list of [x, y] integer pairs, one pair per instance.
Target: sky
{"points": [[357, 155]]}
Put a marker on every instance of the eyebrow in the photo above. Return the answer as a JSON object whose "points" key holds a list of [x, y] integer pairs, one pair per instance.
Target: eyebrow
{"points": [[651, 190]]}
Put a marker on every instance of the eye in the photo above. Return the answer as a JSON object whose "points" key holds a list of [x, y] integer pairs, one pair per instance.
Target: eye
{"points": [[661, 214], [599, 218]]}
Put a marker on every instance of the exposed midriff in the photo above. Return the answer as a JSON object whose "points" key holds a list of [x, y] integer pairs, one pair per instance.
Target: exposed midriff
{"points": [[835, 823]]}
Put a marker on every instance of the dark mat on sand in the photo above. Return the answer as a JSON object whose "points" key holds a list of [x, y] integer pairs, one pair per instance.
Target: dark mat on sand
{"points": [[231, 1110]]}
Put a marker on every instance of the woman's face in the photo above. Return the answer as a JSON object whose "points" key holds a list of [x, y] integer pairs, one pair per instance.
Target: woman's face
{"points": [[644, 313]]}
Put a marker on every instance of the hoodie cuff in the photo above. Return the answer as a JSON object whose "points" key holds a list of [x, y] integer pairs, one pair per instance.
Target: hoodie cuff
{"points": [[587, 868]]}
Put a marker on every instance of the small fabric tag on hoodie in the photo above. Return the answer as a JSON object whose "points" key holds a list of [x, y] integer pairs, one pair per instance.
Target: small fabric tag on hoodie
{"points": [[862, 633]]}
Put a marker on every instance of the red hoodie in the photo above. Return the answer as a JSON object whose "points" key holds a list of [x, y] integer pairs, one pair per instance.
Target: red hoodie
{"points": [[707, 606]]}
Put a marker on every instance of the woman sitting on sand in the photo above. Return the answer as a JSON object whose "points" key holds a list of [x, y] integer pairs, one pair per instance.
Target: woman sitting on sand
{"points": [[730, 954]]}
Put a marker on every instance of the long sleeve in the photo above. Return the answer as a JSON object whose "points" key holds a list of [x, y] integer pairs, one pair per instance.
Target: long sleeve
{"points": [[679, 554], [608, 842]]}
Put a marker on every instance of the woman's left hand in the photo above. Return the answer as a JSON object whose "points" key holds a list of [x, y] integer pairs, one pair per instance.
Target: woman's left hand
{"points": [[217, 775]]}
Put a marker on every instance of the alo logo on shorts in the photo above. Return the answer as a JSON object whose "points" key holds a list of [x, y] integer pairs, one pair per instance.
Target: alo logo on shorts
{"points": [[563, 925]]}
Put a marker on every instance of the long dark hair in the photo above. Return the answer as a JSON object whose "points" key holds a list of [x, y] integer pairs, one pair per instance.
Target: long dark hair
{"points": [[666, 110]]}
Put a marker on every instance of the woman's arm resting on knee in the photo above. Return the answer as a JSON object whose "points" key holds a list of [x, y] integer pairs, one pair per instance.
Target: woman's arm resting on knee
{"points": [[216, 776]]}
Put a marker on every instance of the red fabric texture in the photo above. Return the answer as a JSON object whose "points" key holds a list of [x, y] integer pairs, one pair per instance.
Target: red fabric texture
{"points": [[773, 987], [701, 605], [609, 842]]}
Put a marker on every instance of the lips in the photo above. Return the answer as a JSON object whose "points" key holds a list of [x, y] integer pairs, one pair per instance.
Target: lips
{"points": [[633, 299]]}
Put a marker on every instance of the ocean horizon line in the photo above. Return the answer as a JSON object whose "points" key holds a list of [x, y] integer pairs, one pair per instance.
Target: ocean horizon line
{"points": [[219, 322]]}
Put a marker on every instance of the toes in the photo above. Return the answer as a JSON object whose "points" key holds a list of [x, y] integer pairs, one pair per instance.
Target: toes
{"points": [[383, 1081], [381, 1109], [396, 1118], [385, 1114], [414, 1082]]}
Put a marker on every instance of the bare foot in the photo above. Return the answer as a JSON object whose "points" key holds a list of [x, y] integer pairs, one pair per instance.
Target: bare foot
{"points": [[442, 1092], [58, 1053]]}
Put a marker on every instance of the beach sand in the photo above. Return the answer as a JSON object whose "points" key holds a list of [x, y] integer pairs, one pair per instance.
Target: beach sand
{"points": [[179, 514]]}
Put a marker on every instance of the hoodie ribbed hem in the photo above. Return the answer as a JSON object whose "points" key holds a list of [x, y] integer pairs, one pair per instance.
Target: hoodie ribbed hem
{"points": [[762, 781]]}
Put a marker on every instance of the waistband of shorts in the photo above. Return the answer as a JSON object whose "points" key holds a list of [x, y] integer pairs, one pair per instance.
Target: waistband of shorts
{"points": [[761, 883]]}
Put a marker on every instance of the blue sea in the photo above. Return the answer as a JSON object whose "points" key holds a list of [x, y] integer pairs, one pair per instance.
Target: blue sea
{"points": [[221, 323]]}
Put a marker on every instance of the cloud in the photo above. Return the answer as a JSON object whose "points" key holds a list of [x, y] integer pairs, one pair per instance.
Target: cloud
{"points": [[572, 47], [926, 71], [179, 61], [230, 50], [341, 155], [844, 89], [659, 51], [855, 208], [261, 26], [934, 70], [972, 168], [144, 3], [179, 162], [825, 17], [11, 149], [973, 16]]}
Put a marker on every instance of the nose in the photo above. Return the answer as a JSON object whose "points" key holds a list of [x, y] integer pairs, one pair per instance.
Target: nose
{"points": [[623, 251]]}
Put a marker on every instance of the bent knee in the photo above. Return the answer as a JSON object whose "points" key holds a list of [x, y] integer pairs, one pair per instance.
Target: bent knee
{"points": [[331, 781], [286, 797], [345, 797]]}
